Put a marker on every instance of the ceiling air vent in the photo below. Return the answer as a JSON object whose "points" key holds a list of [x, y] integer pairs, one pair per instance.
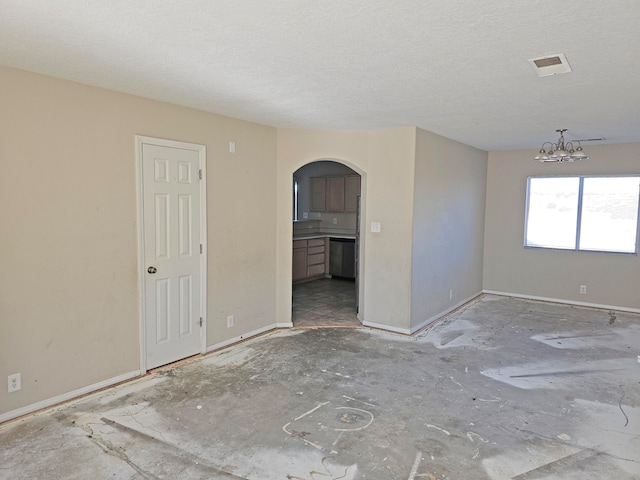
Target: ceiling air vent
{"points": [[551, 65]]}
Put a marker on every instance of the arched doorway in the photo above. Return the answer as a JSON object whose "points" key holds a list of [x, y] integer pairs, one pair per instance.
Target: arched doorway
{"points": [[326, 245]]}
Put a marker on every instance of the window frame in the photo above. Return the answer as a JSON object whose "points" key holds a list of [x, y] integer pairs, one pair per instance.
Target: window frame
{"points": [[576, 247]]}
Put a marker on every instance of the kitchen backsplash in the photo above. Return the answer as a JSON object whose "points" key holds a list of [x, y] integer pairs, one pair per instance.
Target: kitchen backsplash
{"points": [[326, 222]]}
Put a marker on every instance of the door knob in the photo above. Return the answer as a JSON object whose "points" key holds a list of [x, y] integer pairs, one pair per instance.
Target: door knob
{"points": [[152, 270]]}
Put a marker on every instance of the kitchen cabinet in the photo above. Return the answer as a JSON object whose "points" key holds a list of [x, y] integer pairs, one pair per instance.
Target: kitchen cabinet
{"points": [[310, 258], [315, 257], [335, 194], [318, 194], [299, 260], [351, 192]]}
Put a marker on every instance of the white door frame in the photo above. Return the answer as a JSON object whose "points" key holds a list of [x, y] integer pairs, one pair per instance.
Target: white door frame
{"points": [[202, 157]]}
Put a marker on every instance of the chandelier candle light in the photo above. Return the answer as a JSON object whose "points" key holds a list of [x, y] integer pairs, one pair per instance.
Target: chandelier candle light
{"points": [[561, 152]]}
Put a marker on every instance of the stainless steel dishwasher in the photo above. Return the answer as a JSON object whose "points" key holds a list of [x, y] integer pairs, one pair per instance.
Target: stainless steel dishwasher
{"points": [[342, 257]]}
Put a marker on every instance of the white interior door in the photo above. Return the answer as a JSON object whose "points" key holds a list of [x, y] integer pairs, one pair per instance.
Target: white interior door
{"points": [[172, 268]]}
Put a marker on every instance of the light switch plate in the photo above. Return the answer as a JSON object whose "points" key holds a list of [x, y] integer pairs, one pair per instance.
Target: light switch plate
{"points": [[375, 227]]}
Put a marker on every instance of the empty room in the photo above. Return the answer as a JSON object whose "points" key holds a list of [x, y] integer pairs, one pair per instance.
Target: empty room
{"points": [[319, 240]]}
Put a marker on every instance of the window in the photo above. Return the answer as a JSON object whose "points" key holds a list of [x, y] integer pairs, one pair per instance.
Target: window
{"points": [[583, 213], [295, 199]]}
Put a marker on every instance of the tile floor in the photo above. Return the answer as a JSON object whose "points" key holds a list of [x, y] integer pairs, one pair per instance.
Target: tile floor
{"points": [[325, 302]]}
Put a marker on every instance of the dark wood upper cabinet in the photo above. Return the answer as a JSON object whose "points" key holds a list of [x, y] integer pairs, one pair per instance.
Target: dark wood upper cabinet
{"points": [[318, 194]]}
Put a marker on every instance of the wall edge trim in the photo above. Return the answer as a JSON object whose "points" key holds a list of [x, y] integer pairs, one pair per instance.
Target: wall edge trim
{"points": [[246, 336], [50, 402], [388, 328], [438, 316], [564, 301]]}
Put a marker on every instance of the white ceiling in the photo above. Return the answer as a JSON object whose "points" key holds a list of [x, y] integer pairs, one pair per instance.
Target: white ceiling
{"points": [[454, 67]]}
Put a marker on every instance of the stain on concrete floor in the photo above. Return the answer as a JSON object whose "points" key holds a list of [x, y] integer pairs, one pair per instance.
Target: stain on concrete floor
{"points": [[485, 394]]}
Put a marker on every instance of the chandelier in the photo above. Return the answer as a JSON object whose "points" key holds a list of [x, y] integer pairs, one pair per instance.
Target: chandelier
{"points": [[561, 152]]}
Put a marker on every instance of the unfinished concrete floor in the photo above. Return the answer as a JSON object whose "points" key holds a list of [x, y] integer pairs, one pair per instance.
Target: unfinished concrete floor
{"points": [[502, 389]]}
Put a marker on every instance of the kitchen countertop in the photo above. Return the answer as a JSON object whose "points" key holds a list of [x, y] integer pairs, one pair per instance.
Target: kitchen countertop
{"points": [[307, 236]]}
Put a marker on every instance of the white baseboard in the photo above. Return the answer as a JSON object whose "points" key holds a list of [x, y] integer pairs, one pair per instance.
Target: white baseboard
{"points": [[231, 341], [388, 328], [411, 331], [443, 313], [562, 300], [67, 396], [124, 377]]}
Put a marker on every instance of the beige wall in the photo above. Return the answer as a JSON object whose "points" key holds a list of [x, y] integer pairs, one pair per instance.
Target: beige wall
{"points": [[295, 149], [387, 290], [69, 284], [448, 225], [385, 160], [509, 267]]}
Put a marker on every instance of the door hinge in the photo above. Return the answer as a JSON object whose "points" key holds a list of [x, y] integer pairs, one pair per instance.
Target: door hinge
{"points": [[200, 322], [200, 249], [200, 174]]}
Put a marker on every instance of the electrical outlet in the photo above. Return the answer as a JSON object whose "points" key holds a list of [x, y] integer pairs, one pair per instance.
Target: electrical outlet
{"points": [[230, 321], [583, 289], [335, 221], [14, 383]]}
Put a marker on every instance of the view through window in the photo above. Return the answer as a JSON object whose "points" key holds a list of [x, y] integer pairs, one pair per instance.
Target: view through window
{"points": [[583, 213]]}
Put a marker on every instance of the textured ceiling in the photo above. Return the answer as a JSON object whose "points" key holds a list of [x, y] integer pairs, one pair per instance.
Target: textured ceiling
{"points": [[456, 68]]}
